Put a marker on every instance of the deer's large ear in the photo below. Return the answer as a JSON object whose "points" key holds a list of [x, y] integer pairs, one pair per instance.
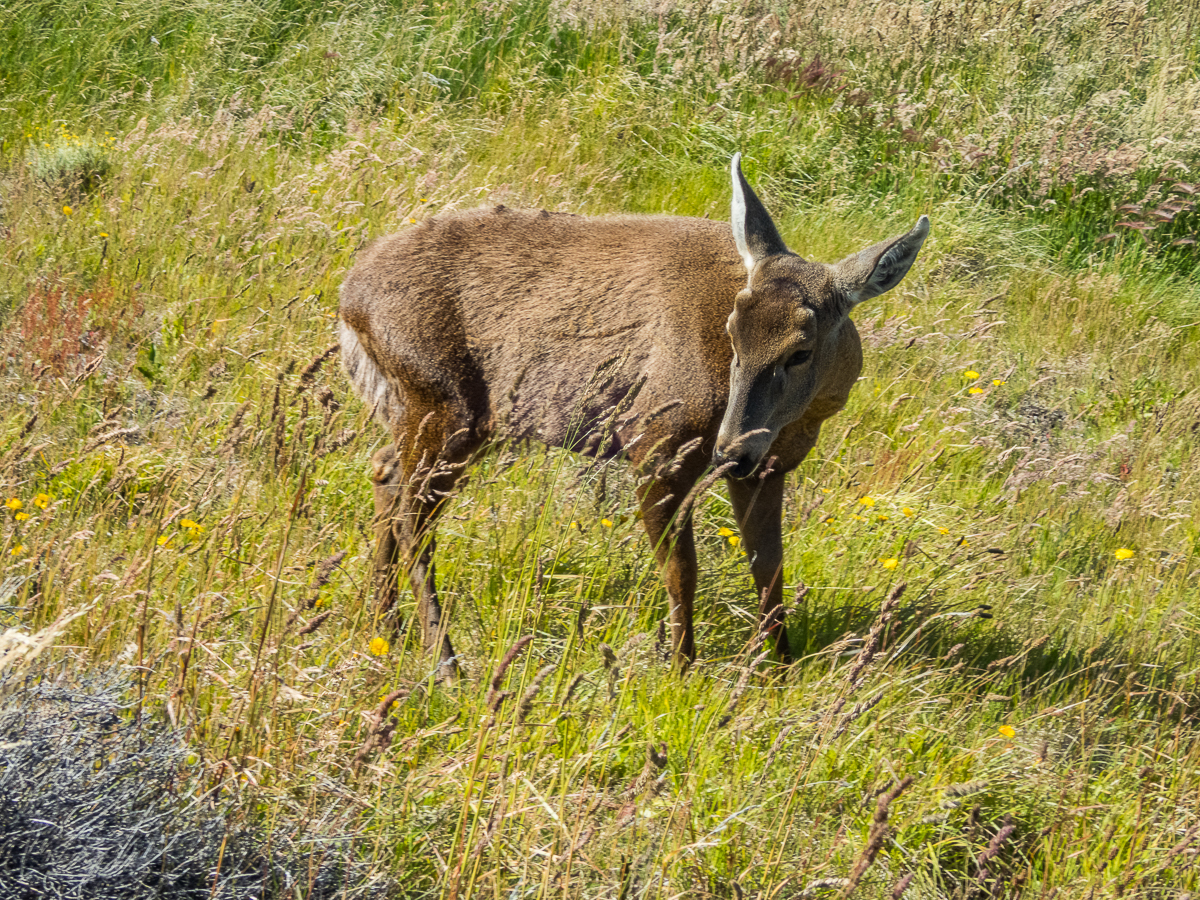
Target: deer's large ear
{"points": [[879, 268], [753, 230]]}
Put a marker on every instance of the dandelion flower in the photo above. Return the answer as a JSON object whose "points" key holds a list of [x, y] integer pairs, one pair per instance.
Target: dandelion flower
{"points": [[1124, 553], [41, 501], [906, 510], [574, 526], [21, 516], [725, 532], [13, 503], [67, 210], [104, 234], [1008, 731], [881, 517], [998, 382], [943, 531], [607, 523], [188, 523], [975, 390], [164, 539], [970, 374], [889, 563], [17, 550], [734, 540], [867, 501], [379, 646]]}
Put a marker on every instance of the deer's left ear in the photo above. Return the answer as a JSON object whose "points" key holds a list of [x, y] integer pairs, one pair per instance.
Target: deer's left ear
{"points": [[879, 268], [753, 230]]}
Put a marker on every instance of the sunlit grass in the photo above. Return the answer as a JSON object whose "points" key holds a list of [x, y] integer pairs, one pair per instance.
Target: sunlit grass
{"points": [[991, 556]]}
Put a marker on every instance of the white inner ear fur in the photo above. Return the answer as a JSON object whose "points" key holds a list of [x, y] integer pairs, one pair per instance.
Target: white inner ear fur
{"points": [[737, 215]]}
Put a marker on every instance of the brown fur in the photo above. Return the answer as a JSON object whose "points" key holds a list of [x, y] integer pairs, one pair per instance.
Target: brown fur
{"points": [[604, 336]]}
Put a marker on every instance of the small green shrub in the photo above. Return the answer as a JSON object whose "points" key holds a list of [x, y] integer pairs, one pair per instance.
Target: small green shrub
{"points": [[70, 165]]}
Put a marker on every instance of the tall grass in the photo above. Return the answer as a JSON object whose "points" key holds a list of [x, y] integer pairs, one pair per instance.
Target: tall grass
{"points": [[182, 190]]}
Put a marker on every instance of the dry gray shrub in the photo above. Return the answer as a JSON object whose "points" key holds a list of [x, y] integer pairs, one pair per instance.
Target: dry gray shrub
{"points": [[95, 805]]}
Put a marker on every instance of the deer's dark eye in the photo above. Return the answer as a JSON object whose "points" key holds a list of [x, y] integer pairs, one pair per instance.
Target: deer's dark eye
{"points": [[799, 358]]}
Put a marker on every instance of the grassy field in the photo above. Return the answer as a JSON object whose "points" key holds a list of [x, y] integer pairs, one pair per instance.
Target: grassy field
{"points": [[992, 553]]}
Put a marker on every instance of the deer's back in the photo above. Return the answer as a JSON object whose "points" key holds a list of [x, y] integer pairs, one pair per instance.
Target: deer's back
{"points": [[549, 320]]}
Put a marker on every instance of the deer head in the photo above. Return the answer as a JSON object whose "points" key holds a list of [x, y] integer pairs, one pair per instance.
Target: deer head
{"points": [[786, 322]]}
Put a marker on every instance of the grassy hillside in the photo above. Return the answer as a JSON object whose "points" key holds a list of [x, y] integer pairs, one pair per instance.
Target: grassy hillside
{"points": [[992, 553]]}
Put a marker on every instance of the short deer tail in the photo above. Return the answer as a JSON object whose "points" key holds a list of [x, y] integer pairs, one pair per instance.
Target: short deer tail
{"points": [[368, 379]]}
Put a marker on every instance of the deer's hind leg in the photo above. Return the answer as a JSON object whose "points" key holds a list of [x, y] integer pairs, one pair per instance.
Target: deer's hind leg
{"points": [[386, 480], [413, 480]]}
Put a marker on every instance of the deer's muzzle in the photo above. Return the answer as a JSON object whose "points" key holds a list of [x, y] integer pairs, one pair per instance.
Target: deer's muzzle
{"points": [[744, 467]]}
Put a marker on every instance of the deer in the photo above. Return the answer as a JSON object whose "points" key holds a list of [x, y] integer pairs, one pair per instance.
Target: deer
{"points": [[696, 349]]}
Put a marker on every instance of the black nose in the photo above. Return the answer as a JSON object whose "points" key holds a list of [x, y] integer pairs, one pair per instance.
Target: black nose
{"points": [[744, 467]]}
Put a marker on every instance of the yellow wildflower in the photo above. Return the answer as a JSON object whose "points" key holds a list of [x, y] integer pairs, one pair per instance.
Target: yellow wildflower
{"points": [[734, 540], [907, 510], [379, 646], [975, 390], [867, 501], [725, 532], [943, 531], [21, 516], [881, 517], [41, 501], [970, 374], [889, 563], [13, 503], [164, 539], [17, 550], [998, 382], [607, 523], [1124, 553], [1008, 731], [67, 210]]}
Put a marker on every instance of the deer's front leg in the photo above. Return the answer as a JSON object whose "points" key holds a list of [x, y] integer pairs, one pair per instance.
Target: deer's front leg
{"points": [[674, 546], [758, 508]]}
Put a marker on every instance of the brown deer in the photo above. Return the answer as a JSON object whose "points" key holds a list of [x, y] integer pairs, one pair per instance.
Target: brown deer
{"points": [[680, 343]]}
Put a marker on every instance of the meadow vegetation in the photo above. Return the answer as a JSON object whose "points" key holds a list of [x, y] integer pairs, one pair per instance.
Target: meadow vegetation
{"points": [[992, 554]]}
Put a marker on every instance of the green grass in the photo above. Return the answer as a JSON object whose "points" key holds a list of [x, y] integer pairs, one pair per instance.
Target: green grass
{"points": [[177, 217]]}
